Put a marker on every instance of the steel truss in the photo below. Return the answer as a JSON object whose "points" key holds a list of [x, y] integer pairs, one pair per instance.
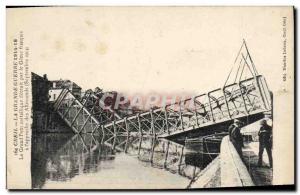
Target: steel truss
{"points": [[236, 100], [83, 115]]}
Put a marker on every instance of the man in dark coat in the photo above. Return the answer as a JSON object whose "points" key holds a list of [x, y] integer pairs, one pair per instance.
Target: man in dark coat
{"points": [[265, 142], [235, 136]]}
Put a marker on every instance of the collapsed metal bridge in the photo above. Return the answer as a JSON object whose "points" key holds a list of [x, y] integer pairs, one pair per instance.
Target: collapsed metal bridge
{"points": [[241, 97]]}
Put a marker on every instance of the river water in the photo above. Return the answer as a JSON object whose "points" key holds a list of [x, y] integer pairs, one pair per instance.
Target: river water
{"points": [[113, 162]]}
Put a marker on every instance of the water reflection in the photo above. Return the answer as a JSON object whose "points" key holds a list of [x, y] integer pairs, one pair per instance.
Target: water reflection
{"points": [[57, 160]]}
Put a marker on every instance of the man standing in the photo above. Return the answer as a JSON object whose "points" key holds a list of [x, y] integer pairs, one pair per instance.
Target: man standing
{"points": [[235, 136], [235, 124], [265, 141]]}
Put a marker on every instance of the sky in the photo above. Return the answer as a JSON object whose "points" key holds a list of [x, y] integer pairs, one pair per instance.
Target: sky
{"points": [[144, 50]]}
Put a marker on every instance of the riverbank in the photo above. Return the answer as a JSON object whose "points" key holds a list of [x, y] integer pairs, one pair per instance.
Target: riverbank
{"points": [[227, 170], [261, 175], [230, 170], [210, 177]]}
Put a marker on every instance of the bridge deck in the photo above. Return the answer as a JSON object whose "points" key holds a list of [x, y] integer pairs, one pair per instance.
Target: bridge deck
{"points": [[237, 100]]}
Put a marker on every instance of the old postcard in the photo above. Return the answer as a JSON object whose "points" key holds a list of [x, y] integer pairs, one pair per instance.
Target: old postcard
{"points": [[150, 97]]}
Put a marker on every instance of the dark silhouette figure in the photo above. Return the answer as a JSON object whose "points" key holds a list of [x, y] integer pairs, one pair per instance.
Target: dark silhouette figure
{"points": [[265, 142], [236, 137]]}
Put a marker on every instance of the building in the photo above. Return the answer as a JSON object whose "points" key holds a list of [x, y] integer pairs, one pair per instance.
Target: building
{"points": [[58, 85], [40, 104], [44, 118], [40, 88]]}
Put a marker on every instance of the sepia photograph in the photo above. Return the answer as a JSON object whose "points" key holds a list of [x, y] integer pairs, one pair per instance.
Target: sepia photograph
{"points": [[150, 98]]}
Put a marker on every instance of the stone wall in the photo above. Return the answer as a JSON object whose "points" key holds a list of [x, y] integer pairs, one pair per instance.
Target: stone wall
{"points": [[234, 173]]}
